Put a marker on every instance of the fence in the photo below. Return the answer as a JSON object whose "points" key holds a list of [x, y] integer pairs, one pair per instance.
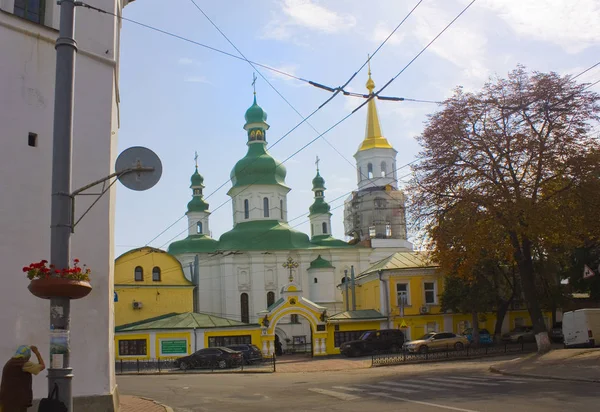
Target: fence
{"points": [[384, 359], [168, 366]]}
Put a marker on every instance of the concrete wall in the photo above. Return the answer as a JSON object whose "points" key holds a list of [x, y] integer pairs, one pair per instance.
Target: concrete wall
{"points": [[27, 64]]}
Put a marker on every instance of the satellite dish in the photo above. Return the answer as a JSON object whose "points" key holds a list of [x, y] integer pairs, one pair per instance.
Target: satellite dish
{"points": [[138, 168]]}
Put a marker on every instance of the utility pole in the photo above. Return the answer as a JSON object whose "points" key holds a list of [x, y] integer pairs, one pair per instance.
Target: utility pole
{"points": [[346, 285], [60, 373], [353, 287]]}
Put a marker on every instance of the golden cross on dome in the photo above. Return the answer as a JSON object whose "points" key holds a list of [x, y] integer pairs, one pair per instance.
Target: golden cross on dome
{"points": [[196, 159], [317, 163], [254, 82], [369, 63], [291, 264]]}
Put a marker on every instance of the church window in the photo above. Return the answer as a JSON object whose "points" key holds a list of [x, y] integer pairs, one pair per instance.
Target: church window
{"points": [[139, 274], [197, 191], [199, 228], [388, 230], [383, 169], [244, 309], [32, 10], [156, 274], [316, 280], [324, 228], [246, 209], [281, 208], [294, 319], [372, 231], [266, 206], [270, 298], [370, 171], [319, 193]]}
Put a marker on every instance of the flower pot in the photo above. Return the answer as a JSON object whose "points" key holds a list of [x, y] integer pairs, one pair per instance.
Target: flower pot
{"points": [[59, 288]]}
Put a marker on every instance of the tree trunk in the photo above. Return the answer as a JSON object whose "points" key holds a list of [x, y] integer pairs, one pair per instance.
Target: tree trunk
{"points": [[475, 329], [522, 251], [500, 315]]}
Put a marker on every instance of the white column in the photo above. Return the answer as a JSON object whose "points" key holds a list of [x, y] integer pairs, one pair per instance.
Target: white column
{"points": [[324, 345], [271, 350], [265, 350]]}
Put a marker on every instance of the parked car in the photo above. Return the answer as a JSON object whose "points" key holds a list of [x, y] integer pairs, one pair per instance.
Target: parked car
{"points": [[436, 341], [581, 328], [210, 358], [251, 353], [519, 334], [374, 341], [556, 333], [484, 336]]}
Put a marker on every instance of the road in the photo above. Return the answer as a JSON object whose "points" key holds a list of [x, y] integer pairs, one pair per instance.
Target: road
{"points": [[462, 387]]}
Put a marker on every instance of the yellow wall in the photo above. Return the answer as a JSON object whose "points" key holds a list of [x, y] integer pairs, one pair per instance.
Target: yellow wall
{"points": [[345, 327], [254, 332], [173, 293]]}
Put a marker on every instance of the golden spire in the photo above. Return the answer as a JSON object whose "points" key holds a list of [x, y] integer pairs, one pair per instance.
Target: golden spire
{"points": [[373, 136]]}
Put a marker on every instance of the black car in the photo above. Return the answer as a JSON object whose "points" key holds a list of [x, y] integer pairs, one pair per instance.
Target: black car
{"points": [[556, 333], [220, 358], [386, 340], [251, 353]]}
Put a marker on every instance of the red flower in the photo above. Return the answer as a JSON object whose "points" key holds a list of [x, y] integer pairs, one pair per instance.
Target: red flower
{"points": [[76, 260], [26, 269]]}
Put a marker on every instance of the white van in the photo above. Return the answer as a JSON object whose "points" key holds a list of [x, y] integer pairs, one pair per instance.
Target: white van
{"points": [[581, 328]]}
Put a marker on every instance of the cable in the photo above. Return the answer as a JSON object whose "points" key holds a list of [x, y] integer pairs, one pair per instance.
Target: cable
{"points": [[585, 71]]}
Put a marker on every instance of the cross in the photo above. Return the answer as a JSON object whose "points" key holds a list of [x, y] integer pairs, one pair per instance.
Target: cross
{"points": [[317, 163], [291, 264], [196, 159], [254, 82], [369, 62]]}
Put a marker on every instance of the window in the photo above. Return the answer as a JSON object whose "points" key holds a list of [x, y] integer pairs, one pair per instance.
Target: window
{"points": [[294, 318], [319, 193], [431, 327], [324, 228], [372, 231], [132, 347], [266, 206], [430, 297], [402, 294], [197, 191], [316, 280], [32, 10], [246, 209], [198, 227], [244, 309], [383, 169], [370, 171], [229, 340], [270, 298], [281, 208], [32, 140], [388, 230], [156, 274], [139, 274], [341, 337]]}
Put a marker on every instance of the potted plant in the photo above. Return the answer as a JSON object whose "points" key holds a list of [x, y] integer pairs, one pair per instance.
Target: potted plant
{"points": [[48, 281]]}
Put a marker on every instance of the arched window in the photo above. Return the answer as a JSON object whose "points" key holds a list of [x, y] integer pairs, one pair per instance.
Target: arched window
{"points": [[270, 298], [244, 309], [199, 228], [266, 207], [383, 169], [156, 274], [246, 209], [281, 208], [324, 228], [316, 280], [370, 171], [139, 274]]}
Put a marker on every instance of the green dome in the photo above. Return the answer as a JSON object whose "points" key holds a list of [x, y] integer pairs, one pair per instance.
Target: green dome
{"points": [[193, 244], [263, 235], [197, 179], [255, 114], [318, 182], [320, 263], [319, 207], [197, 204], [258, 168]]}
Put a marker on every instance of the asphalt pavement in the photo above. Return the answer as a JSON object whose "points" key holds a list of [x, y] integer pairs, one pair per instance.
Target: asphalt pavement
{"points": [[462, 387]]}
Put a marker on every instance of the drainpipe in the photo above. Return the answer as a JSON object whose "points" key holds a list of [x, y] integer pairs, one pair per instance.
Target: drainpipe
{"points": [[346, 286], [353, 288], [384, 301], [195, 341]]}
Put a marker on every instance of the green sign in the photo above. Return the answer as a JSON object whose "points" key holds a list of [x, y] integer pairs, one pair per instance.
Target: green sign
{"points": [[168, 347]]}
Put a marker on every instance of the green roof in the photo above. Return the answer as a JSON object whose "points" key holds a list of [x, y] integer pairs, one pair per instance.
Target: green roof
{"points": [[320, 263], [193, 244], [258, 168], [197, 204], [318, 182], [319, 207], [263, 235], [197, 179], [328, 241], [255, 114], [187, 320], [274, 305], [402, 260], [356, 315]]}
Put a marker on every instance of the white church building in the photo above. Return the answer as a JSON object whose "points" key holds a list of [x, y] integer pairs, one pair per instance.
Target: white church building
{"points": [[243, 272]]}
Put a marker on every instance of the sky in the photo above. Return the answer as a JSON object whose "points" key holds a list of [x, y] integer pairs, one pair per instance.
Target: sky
{"points": [[178, 98]]}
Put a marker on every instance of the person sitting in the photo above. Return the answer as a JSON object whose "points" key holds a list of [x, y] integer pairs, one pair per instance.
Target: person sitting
{"points": [[16, 389]]}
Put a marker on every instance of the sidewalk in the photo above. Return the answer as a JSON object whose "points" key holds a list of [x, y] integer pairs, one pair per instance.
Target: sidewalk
{"points": [[135, 404], [563, 364]]}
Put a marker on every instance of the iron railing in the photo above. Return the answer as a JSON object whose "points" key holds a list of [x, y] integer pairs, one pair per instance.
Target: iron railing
{"points": [[384, 359], [168, 366]]}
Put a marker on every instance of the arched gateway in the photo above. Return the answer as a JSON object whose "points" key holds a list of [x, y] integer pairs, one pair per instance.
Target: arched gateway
{"points": [[292, 303]]}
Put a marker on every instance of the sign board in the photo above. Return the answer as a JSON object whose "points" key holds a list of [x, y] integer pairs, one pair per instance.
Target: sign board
{"points": [[173, 346], [587, 272], [403, 324]]}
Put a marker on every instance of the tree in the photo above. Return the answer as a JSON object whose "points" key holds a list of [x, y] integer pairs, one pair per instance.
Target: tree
{"points": [[515, 152]]}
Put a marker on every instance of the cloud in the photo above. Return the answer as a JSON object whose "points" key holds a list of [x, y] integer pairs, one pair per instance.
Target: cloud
{"points": [[305, 14], [197, 79], [382, 31], [572, 25], [186, 61]]}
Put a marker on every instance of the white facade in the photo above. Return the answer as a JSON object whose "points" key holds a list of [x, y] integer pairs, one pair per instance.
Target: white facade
{"points": [[27, 67], [376, 168], [248, 203]]}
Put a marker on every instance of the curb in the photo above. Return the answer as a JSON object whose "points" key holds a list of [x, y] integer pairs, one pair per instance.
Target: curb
{"points": [[529, 375], [167, 408]]}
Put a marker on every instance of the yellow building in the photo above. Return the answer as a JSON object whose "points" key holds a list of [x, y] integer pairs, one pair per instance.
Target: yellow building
{"points": [[149, 282]]}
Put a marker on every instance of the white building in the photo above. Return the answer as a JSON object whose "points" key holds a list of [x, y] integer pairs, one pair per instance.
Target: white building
{"points": [[243, 273], [28, 31]]}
